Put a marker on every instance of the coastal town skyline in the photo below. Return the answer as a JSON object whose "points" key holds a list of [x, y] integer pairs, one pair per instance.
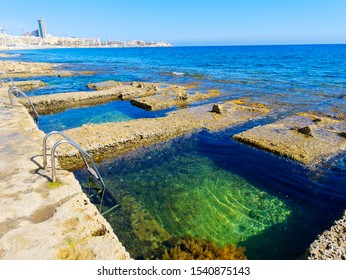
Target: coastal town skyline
{"points": [[185, 23]]}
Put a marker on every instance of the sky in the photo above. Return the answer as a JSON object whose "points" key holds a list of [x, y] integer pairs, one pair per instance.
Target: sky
{"points": [[183, 22]]}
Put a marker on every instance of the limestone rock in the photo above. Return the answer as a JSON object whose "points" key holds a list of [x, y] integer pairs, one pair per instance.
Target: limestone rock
{"points": [[331, 244], [307, 138], [104, 85]]}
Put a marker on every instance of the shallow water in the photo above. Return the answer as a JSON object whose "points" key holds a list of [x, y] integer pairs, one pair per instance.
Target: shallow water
{"points": [[116, 111], [206, 185]]}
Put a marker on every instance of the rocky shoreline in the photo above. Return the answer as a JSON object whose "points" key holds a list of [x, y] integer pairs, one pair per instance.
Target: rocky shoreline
{"points": [[17, 69], [40, 220], [304, 137]]}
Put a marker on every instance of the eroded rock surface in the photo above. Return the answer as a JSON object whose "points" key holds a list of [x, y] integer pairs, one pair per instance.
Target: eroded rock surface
{"points": [[331, 244], [304, 137]]}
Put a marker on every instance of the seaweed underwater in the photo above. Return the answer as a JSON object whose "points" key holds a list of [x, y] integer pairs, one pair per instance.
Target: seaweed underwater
{"points": [[173, 193]]}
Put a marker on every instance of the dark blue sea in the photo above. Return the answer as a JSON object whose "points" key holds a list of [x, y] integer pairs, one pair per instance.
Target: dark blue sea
{"points": [[206, 185]]}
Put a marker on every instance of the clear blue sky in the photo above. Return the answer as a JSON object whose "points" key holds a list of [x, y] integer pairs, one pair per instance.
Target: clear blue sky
{"points": [[184, 22]]}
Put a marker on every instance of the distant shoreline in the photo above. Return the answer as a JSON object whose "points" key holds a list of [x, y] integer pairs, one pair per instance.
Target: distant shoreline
{"points": [[35, 47], [14, 48]]}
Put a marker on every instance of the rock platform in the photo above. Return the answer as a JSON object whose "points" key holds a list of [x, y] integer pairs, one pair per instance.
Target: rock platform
{"points": [[305, 137], [27, 85], [108, 140], [54, 103], [172, 96], [18, 69], [39, 219]]}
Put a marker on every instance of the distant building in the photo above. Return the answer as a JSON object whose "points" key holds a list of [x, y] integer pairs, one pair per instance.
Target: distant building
{"points": [[2, 31], [41, 29], [35, 33]]}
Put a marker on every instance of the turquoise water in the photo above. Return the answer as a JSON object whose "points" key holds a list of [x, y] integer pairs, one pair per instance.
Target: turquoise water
{"points": [[206, 185], [116, 111]]}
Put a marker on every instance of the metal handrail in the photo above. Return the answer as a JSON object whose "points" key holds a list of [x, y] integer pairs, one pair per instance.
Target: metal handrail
{"points": [[45, 146], [92, 170], [1, 79], [12, 90]]}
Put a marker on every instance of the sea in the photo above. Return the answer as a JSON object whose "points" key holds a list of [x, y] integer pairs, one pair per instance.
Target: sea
{"points": [[205, 185]]}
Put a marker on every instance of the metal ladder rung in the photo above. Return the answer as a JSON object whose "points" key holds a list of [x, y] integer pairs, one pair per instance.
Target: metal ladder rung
{"points": [[93, 172], [110, 209]]}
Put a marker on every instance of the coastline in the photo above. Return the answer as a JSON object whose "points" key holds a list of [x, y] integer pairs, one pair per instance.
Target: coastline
{"points": [[18, 48], [328, 238]]}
